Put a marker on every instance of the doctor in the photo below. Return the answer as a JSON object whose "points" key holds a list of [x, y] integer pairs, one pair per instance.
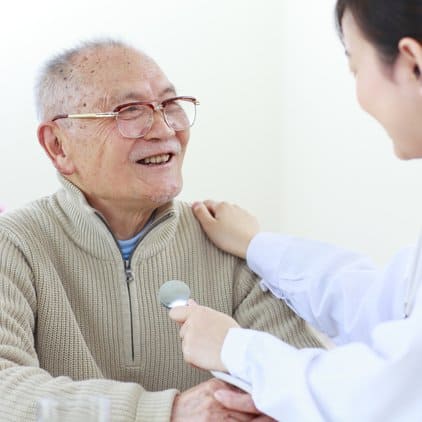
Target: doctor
{"points": [[374, 317]]}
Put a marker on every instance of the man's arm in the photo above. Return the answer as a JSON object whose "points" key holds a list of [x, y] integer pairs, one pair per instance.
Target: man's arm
{"points": [[259, 310], [231, 228], [23, 382]]}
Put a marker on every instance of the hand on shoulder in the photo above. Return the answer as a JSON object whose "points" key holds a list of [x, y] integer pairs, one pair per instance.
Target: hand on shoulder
{"points": [[230, 227]]}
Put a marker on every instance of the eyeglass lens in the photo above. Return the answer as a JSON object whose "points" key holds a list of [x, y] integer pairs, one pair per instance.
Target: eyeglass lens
{"points": [[135, 121]]}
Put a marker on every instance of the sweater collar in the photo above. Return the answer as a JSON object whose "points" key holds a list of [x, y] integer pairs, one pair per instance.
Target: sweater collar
{"points": [[88, 228]]}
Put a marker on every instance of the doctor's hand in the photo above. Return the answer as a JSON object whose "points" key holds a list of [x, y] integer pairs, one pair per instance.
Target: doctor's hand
{"points": [[240, 401], [230, 227], [198, 404], [202, 332]]}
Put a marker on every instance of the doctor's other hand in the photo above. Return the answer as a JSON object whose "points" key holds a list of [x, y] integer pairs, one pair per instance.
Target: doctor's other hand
{"points": [[230, 227], [198, 404], [242, 402], [202, 332]]}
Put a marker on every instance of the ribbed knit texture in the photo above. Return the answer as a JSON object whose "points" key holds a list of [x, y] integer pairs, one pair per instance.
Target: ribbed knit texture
{"points": [[67, 312]]}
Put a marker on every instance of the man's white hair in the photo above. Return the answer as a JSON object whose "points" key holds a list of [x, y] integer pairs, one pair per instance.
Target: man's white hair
{"points": [[58, 77]]}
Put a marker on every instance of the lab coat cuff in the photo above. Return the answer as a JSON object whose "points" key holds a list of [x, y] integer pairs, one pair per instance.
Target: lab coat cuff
{"points": [[266, 248], [276, 371], [234, 350]]}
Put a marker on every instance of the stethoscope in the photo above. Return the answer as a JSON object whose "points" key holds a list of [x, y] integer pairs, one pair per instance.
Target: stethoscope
{"points": [[177, 293]]}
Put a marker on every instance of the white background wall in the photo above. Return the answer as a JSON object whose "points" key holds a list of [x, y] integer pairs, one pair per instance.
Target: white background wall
{"points": [[279, 130]]}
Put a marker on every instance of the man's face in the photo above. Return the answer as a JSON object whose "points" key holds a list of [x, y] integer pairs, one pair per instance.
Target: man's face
{"points": [[107, 166]]}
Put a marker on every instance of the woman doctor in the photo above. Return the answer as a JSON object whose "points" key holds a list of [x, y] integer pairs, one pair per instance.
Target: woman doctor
{"points": [[374, 317]]}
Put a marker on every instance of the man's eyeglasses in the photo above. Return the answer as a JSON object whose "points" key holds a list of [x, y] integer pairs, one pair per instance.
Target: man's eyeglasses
{"points": [[135, 119]]}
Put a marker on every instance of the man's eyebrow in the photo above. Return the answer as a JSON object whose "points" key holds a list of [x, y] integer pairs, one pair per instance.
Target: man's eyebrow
{"points": [[169, 90], [137, 96]]}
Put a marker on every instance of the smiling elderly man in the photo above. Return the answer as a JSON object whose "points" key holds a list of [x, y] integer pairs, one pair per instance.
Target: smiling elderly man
{"points": [[80, 270]]}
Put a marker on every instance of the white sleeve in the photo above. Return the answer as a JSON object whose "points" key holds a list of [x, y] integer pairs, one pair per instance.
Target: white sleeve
{"points": [[356, 382], [339, 292]]}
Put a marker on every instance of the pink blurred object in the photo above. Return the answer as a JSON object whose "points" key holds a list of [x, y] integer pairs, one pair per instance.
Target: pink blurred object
{"points": [[2, 208]]}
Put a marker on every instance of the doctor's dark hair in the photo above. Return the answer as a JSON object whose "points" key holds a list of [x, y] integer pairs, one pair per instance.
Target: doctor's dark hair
{"points": [[384, 22]]}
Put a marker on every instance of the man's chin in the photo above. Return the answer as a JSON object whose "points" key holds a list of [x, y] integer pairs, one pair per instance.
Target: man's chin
{"points": [[162, 196]]}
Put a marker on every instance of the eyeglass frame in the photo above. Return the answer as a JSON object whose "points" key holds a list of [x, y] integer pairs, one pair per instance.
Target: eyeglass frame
{"points": [[155, 106]]}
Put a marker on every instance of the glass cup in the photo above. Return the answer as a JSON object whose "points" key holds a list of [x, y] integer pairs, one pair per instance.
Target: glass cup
{"points": [[74, 409]]}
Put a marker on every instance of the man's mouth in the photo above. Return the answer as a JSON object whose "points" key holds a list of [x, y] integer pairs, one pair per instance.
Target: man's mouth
{"points": [[156, 160]]}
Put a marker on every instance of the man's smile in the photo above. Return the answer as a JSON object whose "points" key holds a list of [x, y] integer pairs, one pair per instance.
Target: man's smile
{"points": [[156, 159]]}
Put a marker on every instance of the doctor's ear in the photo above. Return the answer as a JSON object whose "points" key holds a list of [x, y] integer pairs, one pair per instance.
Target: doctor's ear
{"points": [[411, 52], [50, 138]]}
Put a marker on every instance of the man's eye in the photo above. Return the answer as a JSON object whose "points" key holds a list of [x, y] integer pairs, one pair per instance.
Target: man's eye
{"points": [[173, 106], [132, 112], [133, 109]]}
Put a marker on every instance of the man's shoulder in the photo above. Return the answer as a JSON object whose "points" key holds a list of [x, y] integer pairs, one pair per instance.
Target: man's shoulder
{"points": [[28, 218], [186, 218], [188, 225], [190, 228]]}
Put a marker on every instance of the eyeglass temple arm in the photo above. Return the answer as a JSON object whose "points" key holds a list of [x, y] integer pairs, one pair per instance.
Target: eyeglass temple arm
{"points": [[86, 115]]}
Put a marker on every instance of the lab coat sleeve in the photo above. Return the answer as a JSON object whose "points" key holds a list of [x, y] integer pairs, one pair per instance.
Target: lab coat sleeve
{"points": [[380, 381], [339, 292]]}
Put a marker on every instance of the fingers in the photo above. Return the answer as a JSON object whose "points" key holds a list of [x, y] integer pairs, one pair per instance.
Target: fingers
{"points": [[180, 313], [203, 215], [237, 401], [199, 403], [211, 206], [182, 332]]}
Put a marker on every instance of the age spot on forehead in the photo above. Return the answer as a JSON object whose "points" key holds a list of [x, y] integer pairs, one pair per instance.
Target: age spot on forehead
{"points": [[98, 71]]}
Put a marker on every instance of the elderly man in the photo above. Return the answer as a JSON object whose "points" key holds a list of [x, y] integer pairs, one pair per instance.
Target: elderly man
{"points": [[80, 270]]}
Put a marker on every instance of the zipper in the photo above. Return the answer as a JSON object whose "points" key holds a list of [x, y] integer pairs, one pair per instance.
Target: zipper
{"points": [[129, 279], [129, 276]]}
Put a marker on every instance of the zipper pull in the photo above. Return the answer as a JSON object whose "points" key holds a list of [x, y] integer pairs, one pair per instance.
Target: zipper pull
{"points": [[129, 272]]}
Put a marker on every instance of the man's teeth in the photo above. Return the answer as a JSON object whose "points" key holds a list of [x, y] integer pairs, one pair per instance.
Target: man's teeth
{"points": [[157, 159]]}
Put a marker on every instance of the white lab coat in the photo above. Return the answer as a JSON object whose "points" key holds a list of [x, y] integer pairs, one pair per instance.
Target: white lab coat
{"points": [[376, 372]]}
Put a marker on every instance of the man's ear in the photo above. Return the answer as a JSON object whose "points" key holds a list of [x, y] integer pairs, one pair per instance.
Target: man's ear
{"points": [[49, 137], [410, 52]]}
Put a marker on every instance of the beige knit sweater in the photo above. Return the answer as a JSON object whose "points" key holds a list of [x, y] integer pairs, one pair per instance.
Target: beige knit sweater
{"points": [[73, 320]]}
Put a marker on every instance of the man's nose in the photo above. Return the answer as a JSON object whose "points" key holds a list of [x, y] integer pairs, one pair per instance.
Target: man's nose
{"points": [[159, 128]]}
